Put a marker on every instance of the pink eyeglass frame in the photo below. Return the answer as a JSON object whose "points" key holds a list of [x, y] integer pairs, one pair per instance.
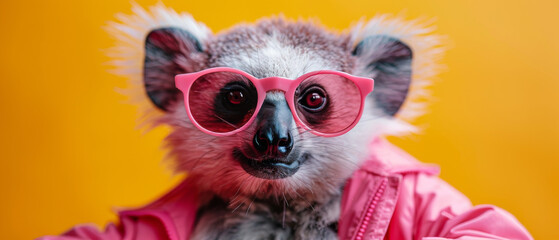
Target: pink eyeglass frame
{"points": [[288, 86]]}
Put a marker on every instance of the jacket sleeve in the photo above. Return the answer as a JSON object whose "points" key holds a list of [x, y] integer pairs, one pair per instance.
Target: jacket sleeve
{"points": [[129, 228], [441, 212], [88, 232]]}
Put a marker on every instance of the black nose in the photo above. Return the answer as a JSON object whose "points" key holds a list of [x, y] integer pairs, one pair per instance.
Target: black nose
{"points": [[272, 142]]}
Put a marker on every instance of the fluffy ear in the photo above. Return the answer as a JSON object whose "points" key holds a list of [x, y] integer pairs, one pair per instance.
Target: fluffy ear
{"points": [[168, 52], [388, 61]]}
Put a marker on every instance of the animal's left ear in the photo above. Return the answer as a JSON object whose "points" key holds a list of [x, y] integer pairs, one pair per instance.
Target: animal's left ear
{"points": [[388, 61]]}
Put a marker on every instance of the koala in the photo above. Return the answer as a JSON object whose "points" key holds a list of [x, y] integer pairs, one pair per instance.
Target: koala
{"points": [[274, 179]]}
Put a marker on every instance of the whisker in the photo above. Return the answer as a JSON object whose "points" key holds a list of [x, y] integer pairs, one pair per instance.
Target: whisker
{"points": [[283, 217], [257, 190], [236, 195], [225, 121], [202, 156], [304, 199], [240, 204]]}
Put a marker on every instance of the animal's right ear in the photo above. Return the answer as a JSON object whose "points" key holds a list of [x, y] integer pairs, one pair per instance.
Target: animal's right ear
{"points": [[168, 52]]}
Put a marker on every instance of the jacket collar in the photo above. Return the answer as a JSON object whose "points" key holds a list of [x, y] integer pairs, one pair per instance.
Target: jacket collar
{"points": [[175, 211], [370, 196], [386, 159]]}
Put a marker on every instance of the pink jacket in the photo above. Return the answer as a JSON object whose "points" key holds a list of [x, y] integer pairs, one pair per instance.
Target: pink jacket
{"points": [[392, 196]]}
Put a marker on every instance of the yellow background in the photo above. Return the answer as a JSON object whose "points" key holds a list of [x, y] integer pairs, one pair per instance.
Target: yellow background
{"points": [[70, 151]]}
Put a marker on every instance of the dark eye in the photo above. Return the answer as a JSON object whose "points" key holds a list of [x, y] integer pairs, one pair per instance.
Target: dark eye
{"points": [[236, 97], [314, 99]]}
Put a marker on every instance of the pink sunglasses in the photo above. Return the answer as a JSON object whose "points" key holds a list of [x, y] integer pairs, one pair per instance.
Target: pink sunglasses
{"points": [[222, 101]]}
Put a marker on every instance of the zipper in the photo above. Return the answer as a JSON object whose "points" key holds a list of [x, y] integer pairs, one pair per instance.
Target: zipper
{"points": [[365, 220]]}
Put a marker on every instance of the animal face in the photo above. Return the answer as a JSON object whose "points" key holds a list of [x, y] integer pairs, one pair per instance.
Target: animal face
{"points": [[273, 156], [225, 101]]}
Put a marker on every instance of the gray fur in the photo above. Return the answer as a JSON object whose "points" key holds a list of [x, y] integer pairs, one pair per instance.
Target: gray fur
{"points": [[280, 220], [236, 205]]}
